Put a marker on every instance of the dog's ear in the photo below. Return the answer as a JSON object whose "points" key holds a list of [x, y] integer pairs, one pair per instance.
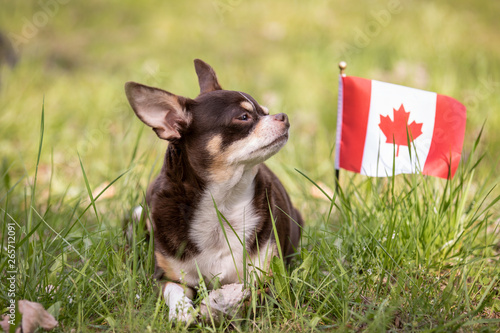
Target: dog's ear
{"points": [[164, 112], [206, 77]]}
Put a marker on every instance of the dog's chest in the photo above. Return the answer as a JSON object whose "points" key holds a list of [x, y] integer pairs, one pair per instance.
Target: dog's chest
{"points": [[220, 229]]}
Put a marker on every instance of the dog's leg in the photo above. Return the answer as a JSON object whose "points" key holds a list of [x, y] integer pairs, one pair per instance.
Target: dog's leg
{"points": [[178, 299]]}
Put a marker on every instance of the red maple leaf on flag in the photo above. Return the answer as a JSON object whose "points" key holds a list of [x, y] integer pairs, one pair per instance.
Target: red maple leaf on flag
{"points": [[398, 131]]}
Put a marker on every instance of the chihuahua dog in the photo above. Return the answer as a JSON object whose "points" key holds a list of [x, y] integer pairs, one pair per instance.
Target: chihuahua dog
{"points": [[215, 207]]}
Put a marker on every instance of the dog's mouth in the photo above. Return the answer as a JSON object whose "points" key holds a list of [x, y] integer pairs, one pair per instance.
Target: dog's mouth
{"points": [[271, 147], [278, 141], [250, 152]]}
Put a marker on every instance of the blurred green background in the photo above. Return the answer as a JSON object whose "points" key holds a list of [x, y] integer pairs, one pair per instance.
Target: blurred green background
{"points": [[76, 56]]}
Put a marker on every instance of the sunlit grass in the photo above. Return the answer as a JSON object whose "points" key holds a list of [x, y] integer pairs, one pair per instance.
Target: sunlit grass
{"points": [[409, 253]]}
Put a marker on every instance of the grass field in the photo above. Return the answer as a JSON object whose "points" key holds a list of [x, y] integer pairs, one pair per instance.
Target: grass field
{"points": [[408, 253]]}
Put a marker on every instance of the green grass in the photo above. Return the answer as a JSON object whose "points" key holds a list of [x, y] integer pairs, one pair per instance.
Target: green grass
{"points": [[409, 253]]}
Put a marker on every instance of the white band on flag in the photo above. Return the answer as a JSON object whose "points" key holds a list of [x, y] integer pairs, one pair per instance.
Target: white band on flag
{"points": [[386, 100]]}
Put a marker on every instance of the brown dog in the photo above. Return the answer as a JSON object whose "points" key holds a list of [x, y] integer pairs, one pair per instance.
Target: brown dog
{"points": [[211, 205]]}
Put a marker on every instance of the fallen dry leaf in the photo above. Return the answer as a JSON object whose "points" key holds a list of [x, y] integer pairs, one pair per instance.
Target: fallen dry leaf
{"points": [[5, 323], [34, 316]]}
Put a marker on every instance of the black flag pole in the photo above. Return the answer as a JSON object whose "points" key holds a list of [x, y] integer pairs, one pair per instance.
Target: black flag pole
{"points": [[342, 67]]}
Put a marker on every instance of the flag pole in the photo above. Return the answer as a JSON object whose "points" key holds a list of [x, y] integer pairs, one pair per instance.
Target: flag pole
{"points": [[342, 67]]}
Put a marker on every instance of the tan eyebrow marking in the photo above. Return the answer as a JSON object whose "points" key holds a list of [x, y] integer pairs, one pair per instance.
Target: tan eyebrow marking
{"points": [[266, 110], [249, 101], [247, 106]]}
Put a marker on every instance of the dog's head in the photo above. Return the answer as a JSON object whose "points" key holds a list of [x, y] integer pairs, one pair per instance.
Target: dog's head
{"points": [[217, 129]]}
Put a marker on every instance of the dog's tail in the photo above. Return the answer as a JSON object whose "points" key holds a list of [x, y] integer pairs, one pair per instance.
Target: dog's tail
{"points": [[138, 218]]}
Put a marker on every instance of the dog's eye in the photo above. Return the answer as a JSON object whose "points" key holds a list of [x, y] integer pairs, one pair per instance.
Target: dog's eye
{"points": [[243, 117]]}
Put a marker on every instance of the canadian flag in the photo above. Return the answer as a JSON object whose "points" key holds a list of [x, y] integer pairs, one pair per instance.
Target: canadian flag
{"points": [[383, 126]]}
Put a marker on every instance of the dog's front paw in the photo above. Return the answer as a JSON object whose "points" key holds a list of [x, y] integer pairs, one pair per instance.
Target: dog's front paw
{"points": [[183, 311], [180, 307], [224, 302]]}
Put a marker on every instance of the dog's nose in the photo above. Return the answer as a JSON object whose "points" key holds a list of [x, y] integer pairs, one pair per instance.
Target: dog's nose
{"points": [[282, 117]]}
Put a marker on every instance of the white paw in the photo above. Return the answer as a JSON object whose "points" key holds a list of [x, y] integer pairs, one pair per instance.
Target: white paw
{"points": [[183, 312], [226, 301], [180, 307]]}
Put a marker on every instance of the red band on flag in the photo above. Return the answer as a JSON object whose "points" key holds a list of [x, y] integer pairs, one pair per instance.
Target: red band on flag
{"points": [[447, 139], [356, 106]]}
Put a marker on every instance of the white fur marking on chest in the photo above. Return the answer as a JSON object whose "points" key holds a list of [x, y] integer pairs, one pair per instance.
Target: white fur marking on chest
{"points": [[221, 249]]}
